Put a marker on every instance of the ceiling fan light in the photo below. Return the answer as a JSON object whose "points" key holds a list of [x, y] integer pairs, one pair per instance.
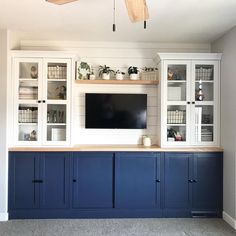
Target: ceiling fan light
{"points": [[60, 2], [137, 10]]}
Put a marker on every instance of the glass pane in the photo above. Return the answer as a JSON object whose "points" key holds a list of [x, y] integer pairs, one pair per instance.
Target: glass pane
{"points": [[57, 90], [56, 133], [176, 72], [176, 133], [28, 122], [204, 72], [176, 115], [28, 90], [204, 117], [28, 70], [176, 91], [57, 71], [56, 122], [204, 133], [56, 113], [204, 91]]}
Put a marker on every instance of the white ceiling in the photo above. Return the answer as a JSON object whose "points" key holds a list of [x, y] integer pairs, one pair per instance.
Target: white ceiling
{"points": [[179, 21]]}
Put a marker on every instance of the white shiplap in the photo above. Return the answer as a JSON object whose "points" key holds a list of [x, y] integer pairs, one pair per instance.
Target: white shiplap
{"points": [[112, 136]]}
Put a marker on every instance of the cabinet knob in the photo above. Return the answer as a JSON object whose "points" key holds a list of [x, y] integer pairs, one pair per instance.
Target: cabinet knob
{"points": [[193, 102], [39, 101], [190, 181], [194, 181], [74, 180], [158, 181], [188, 102], [44, 101]]}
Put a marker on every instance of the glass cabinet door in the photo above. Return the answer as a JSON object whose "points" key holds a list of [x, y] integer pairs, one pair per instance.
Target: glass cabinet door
{"points": [[205, 75], [27, 90], [177, 95], [57, 74]]}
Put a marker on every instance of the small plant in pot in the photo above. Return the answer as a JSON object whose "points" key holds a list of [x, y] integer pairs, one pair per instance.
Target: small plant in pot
{"points": [[120, 75], [133, 72], [104, 72]]}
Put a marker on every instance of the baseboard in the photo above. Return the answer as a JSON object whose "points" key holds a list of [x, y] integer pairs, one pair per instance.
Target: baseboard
{"points": [[3, 216], [231, 221]]}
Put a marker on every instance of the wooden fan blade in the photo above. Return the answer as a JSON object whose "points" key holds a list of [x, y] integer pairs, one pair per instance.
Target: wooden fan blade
{"points": [[137, 10], [60, 2]]}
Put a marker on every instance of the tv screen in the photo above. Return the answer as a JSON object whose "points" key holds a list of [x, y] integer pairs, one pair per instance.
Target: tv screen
{"points": [[115, 111]]}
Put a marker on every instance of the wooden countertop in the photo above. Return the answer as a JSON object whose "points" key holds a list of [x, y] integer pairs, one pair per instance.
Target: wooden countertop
{"points": [[114, 148]]}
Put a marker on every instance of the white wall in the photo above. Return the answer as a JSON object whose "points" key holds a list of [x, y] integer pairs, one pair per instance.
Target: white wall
{"points": [[227, 46], [3, 124]]}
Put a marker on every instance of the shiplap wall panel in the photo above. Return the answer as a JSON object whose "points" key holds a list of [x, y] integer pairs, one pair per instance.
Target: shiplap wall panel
{"points": [[113, 136]]}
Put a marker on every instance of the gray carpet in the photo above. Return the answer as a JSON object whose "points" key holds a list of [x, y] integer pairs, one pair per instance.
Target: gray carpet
{"points": [[117, 227]]}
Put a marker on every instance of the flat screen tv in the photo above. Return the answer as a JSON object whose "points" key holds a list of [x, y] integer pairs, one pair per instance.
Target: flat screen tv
{"points": [[115, 111]]}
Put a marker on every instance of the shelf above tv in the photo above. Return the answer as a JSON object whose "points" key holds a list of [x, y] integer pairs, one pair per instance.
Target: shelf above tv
{"points": [[138, 82]]}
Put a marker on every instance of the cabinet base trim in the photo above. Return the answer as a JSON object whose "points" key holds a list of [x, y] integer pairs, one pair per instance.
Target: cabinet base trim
{"points": [[3, 216], [231, 221]]}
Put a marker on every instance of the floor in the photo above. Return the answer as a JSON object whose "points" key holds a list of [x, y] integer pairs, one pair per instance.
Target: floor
{"points": [[117, 227]]}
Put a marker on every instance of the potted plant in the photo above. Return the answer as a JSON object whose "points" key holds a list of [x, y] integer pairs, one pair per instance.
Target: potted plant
{"points": [[133, 72], [104, 72], [120, 75]]}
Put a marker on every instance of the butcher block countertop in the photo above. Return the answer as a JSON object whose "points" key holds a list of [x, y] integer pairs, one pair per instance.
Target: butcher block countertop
{"points": [[113, 148]]}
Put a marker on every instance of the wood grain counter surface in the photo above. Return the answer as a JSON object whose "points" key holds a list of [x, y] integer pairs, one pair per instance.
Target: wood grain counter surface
{"points": [[114, 148]]}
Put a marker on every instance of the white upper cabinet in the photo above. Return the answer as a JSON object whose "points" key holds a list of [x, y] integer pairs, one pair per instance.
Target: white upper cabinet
{"points": [[189, 99], [42, 88]]}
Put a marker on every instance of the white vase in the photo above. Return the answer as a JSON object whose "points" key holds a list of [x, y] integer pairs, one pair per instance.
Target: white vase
{"points": [[119, 76], [92, 77], [133, 76], [106, 76]]}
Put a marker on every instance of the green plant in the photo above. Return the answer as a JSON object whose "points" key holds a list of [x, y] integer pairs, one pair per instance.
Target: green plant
{"points": [[120, 72], [133, 70], [104, 70]]}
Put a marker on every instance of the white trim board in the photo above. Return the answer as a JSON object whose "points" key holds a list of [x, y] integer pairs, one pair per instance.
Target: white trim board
{"points": [[231, 221], [3, 216]]}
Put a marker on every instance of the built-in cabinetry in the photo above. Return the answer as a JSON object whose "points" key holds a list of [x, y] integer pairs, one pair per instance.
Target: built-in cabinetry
{"points": [[189, 99], [42, 98], [39, 180], [114, 184], [193, 184]]}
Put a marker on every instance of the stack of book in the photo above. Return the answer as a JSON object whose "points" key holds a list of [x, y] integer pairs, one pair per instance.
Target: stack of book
{"points": [[28, 92], [176, 117], [28, 115]]}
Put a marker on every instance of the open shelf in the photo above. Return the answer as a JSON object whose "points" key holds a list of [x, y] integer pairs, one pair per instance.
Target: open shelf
{"points": [[98, 81]]}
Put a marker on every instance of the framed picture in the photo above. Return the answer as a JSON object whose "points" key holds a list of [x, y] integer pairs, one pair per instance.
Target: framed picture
{"points": [[83, 70]]}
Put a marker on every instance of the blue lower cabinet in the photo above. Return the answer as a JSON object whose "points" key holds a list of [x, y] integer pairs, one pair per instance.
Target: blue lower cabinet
{"points": [[177, 189], [115, 184], [136, 183], [92, 182], [54, 173], [23, 174], [193, 184], [208, 184], [38, 182]]}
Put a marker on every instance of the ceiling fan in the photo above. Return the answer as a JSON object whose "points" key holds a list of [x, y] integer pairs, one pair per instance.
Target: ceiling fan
{"points": [[137, 9]]}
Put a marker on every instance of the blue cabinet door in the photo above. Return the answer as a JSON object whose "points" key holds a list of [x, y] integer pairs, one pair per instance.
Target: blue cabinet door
{"points": [[92, 180], [208, 181], [54, 173], [178, 181], [23, 173], [135, 180]]}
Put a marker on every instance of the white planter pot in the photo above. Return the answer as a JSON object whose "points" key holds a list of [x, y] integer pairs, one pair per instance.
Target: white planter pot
{"points": [[105, 76], [92, 77], [119, 76], [133, 76]]}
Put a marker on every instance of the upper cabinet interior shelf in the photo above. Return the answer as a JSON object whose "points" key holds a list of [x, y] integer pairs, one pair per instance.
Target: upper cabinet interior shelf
{"points": [[140, 82]]}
